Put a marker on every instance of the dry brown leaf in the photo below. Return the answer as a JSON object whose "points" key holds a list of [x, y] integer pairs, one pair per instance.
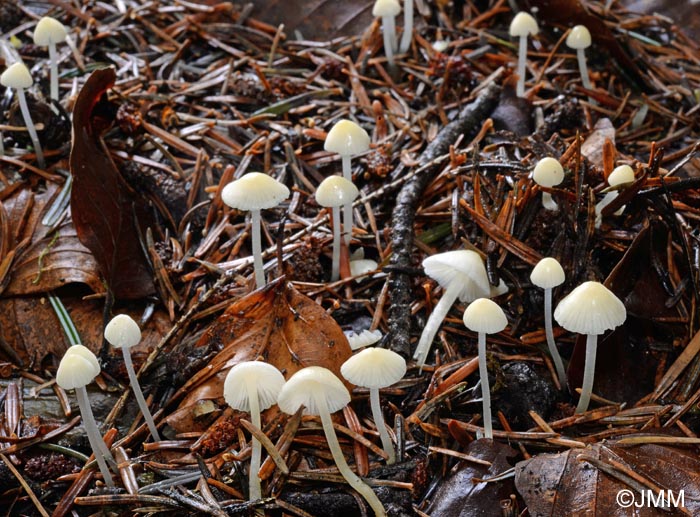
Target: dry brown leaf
{"points": [[277, 324]]}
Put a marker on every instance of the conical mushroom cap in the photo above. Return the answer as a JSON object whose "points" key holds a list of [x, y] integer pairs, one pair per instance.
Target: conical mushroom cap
{"points": [[85, 353], [308, 383], [16, 76], [374, 368], [548, 273], [336, 191], [74, 371], [523, 24], [591, 308], [462, 266], [266, 379], [254, 191], [347, 139], [122, 331], [579, 38], [484, 315], [548, 172], [620, 175], [386, 8], [49, 30]]}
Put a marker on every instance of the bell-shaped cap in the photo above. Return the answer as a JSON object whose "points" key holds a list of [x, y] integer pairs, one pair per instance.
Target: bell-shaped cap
{"points": [[122, 331], [621, 175], [254, 191], [363, 339], [463, 267], [85, 353], [484, 315], [548, 273], [591, 308], [304, 386], [374, 368], [74, 371], [386, 8], [336, 191], [262, 377], [548, 172], [49, 30], [523, 24], [347, 139], [578, 38], [16, 76]]}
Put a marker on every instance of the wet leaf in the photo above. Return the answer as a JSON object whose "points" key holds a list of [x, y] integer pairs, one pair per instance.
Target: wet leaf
{"points": [[460, 495], [107, 213], [277, 324], [572, 483], [316, 19]]}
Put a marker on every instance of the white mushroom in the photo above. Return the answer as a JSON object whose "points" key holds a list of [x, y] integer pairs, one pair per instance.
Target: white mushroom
{"points": [[334, 192], [347, 139], [548, 274], [376, 368], [254, 192], [253, 386], [321, 393], [407, 26], [462, 275], [590, 309], [548, 173], [363, 339], [620, 176], [387, 10], [522, 26], [579, 39], [485, 317], [47, 33], [123, 332], [17, 76]]}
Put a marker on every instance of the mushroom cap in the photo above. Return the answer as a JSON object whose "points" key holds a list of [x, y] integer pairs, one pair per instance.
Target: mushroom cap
{"points": [[122, 331], [254, 191], [591, 308], [74, 371], [386, 8], [362, 266], [463, 266], [548, 172], [547, 273], [523, 24], [16, 76], [49, 30], [347, 139], [267, 379], [620, 175], [579, 38], [336, 191], [302, 388], [363, 339], [484, 315], [85, 353], [374, 368]]}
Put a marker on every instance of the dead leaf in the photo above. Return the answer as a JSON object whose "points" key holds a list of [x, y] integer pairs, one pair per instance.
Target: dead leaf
{"points": [[460, 495], [107, 213], [569, 484], [277, 324], [592, 147]]}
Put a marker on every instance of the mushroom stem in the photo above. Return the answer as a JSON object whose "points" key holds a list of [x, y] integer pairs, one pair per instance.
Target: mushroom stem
{"points": [[548, 203], [581, 56], [257, 249], [485, 390], [347, 209], [138, 394], [381, 426], [31, 129], [389, 33], [99, 448], [522, 56], [553, 351], [353, 479], [407, 26], [588, 373], [433, 324], [53, 63], [254, 490], [335, 272]]}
